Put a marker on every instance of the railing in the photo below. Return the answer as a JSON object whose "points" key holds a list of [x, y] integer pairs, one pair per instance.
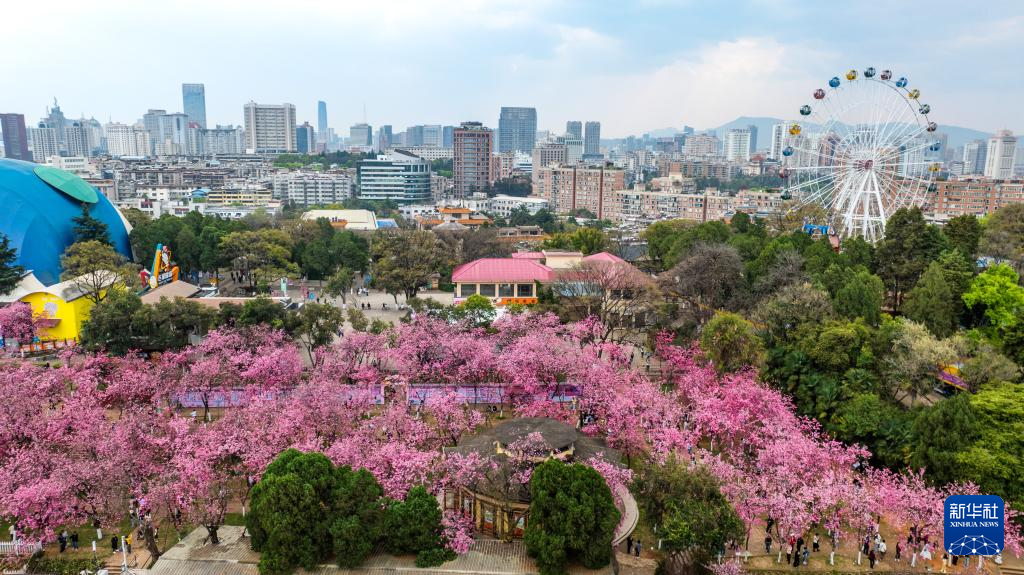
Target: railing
{"points": [[19, 547]]}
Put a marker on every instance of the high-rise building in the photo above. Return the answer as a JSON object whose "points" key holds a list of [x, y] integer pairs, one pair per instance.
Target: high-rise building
{"points": [[592, 140], [125, 140], [753, 138], [1001, 156], [397, 175], [385, 139], [269, 128], [778, 141], [702, 145], [193, 100], [573, 148], [223, 140], [55, 119], [570, 188], [360, 135], [448, 136], [321, 121], [433, 135], [548, 153], [574, 128], [737, 145], [305, 141], [413, 136], [76, 138], [517, 129], [473, 145], [44, 143], [171, 134], [974, 157], [312, 188], [15, 137]]}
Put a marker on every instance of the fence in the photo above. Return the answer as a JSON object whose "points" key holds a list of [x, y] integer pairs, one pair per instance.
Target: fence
{"points": [[19, 547]]}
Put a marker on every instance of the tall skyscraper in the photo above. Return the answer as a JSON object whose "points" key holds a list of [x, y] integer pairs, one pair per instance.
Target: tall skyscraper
{"points": [[592, 140], [975, 154], [1001, 156], [413, 136], [76, 140], [432, 135], [517, 129], [753, 139], [360, 135], [385, 139], [448, 136], [397, 175], [55, 119], [574, 128], [737, 145], [15, 137], [778, 142], [321, 120], [269, 128], [168, 133], [305, 141], [473, 145], [43, 140], [193, 100], [125, 140]]}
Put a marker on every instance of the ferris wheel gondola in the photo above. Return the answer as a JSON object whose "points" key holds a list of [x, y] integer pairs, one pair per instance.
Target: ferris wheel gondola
{"points": [[863, 148]]}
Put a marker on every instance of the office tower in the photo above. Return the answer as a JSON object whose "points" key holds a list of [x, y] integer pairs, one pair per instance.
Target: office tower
{"points": [[753, 139], [55, 119], [592, 140], [269, 128], [448, 136], [548, 153], [432, 135], [321, 120], [305, 141], [517, 129], [778, 142], [702, 145], [573, 148], [15, 137], [688, 130], [223, 140], [397, 175], [360, 135], [193, 99], [168, 133], [76, 138], [385, 139], [1001, 156], [125, 140], [574, 128], [44, 143], [737, 145], [473, 145], [975, 154], [413, 136]]}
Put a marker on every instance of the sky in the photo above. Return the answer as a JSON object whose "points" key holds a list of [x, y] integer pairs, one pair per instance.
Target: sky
{"points": [[635, 66]]}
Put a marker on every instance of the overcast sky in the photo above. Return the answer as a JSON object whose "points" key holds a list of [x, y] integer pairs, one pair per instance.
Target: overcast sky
{"points": [[633, 65]]}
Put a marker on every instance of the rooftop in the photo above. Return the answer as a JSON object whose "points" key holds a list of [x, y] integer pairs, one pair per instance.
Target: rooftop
{"points": [[500, 270]]}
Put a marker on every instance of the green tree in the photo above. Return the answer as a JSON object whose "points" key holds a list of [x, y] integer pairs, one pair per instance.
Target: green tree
{"points": [[1003, 237], [262, 256], [861, 297], [403, 261], [931, 302], [997, 291], [994, 461], [477, 311], [914, 360], [358, 516], [263, 310], [572, 516], [88, 228], [10, 272], [357, 319], [941, 433], [340, 283], [93, 267], [413, 525], [209, 249], [318, 325], [695, 519], [910, 244], [731, 343], [111, 326], [781, 315], [187, 250], [964, 234]]}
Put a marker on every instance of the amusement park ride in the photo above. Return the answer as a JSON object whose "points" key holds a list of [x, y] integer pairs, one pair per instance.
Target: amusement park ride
{"points": [[859, 152]]}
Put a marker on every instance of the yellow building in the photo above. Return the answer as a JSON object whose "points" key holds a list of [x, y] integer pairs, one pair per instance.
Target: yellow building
{"points": [[61, 310]]}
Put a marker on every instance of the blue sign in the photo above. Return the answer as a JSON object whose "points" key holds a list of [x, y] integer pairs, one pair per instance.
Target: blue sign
{"points": [[973, 525]]}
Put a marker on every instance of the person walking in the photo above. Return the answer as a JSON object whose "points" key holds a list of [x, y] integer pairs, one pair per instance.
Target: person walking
{"points": [[113, 544], [945, 562], [871, 558], [789, 552], [629, 545], [807, 555], [767, 544], [816, 542], [128, 543], [74, 541], [799, 543], [882, 548], [62, 540], [637, 547], [899, 548]]}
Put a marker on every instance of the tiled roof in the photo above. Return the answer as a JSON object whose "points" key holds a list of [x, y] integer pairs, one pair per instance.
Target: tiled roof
{"points": [[502, 270], [604, 257], [528, 256]]}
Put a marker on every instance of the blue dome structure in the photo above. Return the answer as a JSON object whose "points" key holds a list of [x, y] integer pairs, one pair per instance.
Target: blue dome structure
{"points": [[36, 216]]}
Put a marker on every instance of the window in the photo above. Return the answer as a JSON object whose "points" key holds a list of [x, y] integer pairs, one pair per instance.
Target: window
{"points": [[466, 290], [524, 290], [506, 290], [487, 290]]}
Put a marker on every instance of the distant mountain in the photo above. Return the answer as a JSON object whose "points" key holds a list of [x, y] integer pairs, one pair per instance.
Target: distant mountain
{"points": [[958, 136]]}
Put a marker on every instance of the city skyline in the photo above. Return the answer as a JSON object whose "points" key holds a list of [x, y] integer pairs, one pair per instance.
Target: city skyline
{"points": [[633, 69]]}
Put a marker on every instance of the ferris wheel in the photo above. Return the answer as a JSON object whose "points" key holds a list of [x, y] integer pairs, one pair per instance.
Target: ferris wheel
{"points": [[862, 149]]}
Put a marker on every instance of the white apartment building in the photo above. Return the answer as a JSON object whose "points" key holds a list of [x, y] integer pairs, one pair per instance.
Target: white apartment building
{"points": [[702, 145], [269, 128], [43, 143], [502, 205], [428, 153], [778, 142], [313, 188], [737, 145], [1001, 156], [125, 140], [75, 164]]}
